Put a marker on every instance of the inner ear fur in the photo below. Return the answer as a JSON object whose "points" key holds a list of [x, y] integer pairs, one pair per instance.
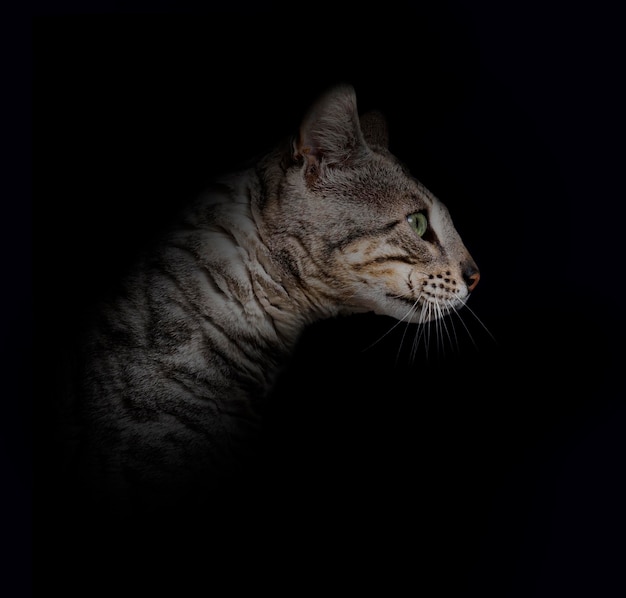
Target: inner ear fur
{"points": [[331, 130]]}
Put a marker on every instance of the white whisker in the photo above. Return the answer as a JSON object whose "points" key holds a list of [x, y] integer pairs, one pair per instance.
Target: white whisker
{"points": [[473, 313], [427, 331], [406, 328], [469, 334], [443, 329], [451, 309], [435, 327], [435, 324], [407, 315], [420, 333]]}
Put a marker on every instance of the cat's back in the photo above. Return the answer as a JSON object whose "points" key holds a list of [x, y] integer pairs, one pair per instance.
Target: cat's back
{"points": [[172, 358]]}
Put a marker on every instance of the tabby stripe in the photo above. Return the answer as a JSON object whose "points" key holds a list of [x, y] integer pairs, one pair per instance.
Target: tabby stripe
{"points": [[181, 298], [383, 259], [187, 383], [364, 233], [303, 282], [236, 343], [224, 231], [320, 266], [188, 226], [188, 305], [201, 267], [189, 421], [251, 341], [253, 282], [408, 300], [192, 381]]}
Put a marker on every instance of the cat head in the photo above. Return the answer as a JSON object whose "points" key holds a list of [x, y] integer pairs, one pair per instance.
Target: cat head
{"points": [[356, 229]]}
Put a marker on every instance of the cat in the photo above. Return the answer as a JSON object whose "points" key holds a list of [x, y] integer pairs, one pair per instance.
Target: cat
{"points": [[178, 364]]}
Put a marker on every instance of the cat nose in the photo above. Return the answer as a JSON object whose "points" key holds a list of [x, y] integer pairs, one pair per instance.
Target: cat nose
{"points": [[471, 276]]}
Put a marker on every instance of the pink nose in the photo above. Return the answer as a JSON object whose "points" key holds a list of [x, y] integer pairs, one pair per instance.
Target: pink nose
{"points": [[471, 276], [474, 278]]}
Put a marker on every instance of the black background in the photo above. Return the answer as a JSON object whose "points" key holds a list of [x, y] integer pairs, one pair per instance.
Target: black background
{"points": [[491, 466]]}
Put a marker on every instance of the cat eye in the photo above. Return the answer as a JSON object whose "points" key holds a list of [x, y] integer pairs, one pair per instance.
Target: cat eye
{"points": [[418, 222]]}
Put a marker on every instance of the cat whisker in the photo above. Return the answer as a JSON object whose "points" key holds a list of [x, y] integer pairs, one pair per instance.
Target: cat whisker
{"points": [[457, 311], [406, 316], [473, 313], [420, 332], [435, 314], [444, 311], [409, 292], [446, 324], [434, 326], [439, 313], [425, 329], [406, 328], [469, 334]]}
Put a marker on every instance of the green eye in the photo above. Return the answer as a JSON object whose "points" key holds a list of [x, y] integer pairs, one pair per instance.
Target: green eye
{"points": [[418, 222]]}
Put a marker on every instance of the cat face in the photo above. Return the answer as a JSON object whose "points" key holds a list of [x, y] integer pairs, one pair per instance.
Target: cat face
{"points": [[409, 262], [363, 233]]}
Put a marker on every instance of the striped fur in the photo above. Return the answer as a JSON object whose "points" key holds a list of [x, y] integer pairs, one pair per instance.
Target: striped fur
{"points": [[177, 364]]}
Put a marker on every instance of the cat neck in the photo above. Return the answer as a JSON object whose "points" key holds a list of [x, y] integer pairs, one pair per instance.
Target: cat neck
{"points": [[261, 293]]}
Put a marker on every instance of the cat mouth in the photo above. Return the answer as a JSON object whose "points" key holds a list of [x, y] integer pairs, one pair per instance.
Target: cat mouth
{"points": [[423, 300], [413, 302], [427, 306]]}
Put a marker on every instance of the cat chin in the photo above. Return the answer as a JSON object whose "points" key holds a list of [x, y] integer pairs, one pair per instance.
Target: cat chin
{"points": [[418, 312], [401, 313]]}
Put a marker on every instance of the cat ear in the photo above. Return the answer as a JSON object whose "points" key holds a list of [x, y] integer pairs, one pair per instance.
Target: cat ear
{"points": [[331, 129], [374, 127]]}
